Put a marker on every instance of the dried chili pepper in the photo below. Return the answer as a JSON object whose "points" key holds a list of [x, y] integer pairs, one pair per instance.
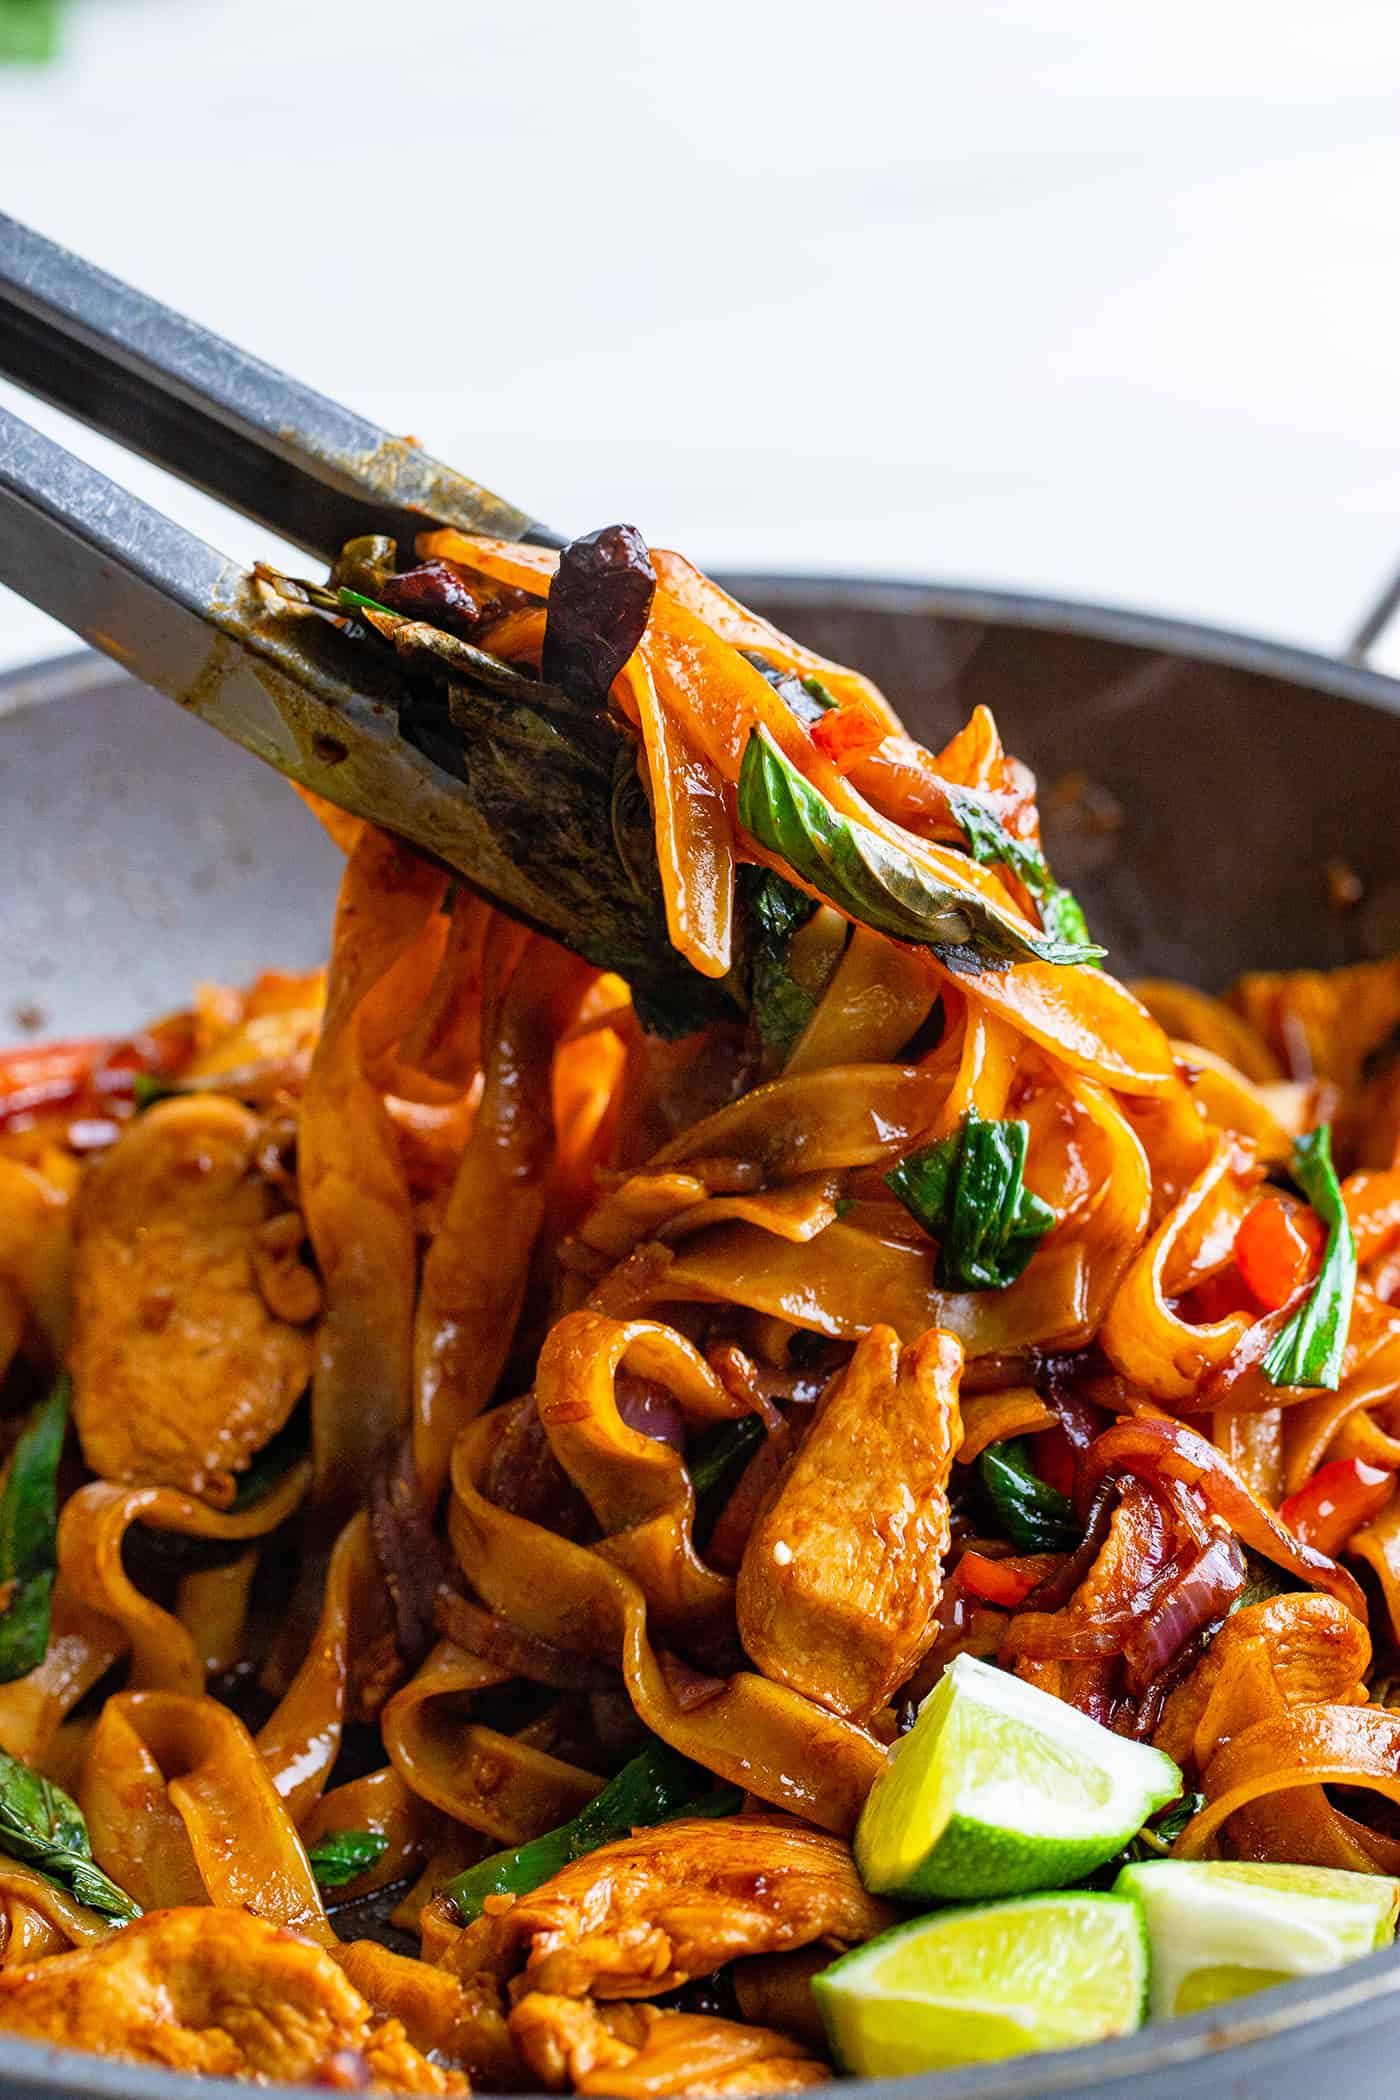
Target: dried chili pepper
{"points": [[598, 606]]}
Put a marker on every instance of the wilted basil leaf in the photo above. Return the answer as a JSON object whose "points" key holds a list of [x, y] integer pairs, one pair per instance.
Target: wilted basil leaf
{"points": [[1309, 1350], [968, 1191], [873, 881], [344, 1855], [29, 1536]]}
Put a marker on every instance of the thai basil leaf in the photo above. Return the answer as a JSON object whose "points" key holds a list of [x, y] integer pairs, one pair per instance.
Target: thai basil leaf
{"points": [[42, 1826], [28, 1536], [989, 841], [656, 1787], [779, 1006], [968, 1191], [875, 882], [1035, 1517], [1309, 1350], [343, 1855]]}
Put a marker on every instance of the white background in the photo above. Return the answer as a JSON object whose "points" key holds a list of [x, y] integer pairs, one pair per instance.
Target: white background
{"points": [[1095, 297]]}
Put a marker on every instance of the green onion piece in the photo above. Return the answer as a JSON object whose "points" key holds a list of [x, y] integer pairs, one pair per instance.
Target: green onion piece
{"points": [[1309, 1350], [874, 882], [349, 598], [968, 1191], [343, 1855], [656, 1787], [29, 1535], [1035, 1517], [42, 1826]]}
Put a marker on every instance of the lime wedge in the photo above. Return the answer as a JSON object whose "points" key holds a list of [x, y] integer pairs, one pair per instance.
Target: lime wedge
{"points": [[999, 1788], [992, 1980], [1220, 1928]]}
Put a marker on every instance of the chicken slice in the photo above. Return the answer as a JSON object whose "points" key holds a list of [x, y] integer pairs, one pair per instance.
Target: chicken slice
{"points": [[647, 1913], [181, 1370], [638, 2051], [220, 1993], [839, 1585]]}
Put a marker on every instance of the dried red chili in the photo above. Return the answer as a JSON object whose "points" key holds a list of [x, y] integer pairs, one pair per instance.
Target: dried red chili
{"points": [[439, 593], [598, 606]]}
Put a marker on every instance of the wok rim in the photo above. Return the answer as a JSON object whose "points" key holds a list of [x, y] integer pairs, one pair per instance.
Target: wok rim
{"points": [[1319, 2009]]}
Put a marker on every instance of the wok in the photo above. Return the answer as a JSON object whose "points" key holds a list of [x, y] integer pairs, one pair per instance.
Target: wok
{"points": [[1213, 779]]}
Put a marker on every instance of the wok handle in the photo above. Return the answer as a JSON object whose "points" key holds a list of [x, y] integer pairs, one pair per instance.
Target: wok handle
{"points": [[1377, 618]]}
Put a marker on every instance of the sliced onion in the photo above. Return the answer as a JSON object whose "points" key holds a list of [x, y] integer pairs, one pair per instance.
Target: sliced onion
{"points": [[1156, 1448], [652, 1411], [1196, 1599]]}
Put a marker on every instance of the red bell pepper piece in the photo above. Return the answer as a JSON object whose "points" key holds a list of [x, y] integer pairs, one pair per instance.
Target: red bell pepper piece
{"points": [[848, 733], [1337, 1501], [1004, 1582], [1278, 1246]]}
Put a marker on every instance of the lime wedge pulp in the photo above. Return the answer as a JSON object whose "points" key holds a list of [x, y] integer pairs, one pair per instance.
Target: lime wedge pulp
{"points": [[1219, 1929], [999, 1789], [987, 1981]]}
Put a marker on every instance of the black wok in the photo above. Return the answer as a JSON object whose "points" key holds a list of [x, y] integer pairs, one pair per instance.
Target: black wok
{"points": [[1217, 778]]}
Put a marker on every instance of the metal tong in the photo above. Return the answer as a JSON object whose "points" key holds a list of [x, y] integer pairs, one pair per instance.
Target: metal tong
{"points": [[169, 607]]}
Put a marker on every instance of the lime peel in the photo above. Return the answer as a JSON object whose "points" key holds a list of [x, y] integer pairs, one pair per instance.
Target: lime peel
{"points": [[1000, 1789], [987, 1981], [1220, 1929]]}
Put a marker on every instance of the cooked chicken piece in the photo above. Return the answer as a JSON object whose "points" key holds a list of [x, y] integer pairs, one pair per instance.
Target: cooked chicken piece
{"points": [[842, 1574], [641, 2053], [220, 1993], [181, 1371], [647, 1913]]}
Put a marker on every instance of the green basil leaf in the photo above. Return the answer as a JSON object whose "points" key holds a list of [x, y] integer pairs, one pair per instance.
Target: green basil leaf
{"points": [[656, 1787], [42, 1826], [968, 1191], [29, 1536], [1309, 1350], [343, 1855], [989, 841], [875, 882]]}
